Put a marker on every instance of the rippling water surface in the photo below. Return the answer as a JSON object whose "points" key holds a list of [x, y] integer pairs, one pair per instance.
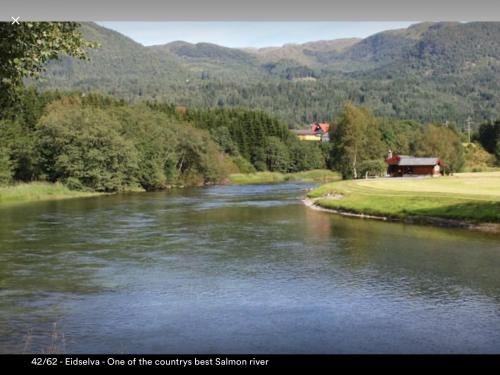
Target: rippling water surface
{"points": [[239, 269]]}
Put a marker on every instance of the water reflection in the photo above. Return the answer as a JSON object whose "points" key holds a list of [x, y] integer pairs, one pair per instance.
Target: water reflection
{"points": [[240, 269]]}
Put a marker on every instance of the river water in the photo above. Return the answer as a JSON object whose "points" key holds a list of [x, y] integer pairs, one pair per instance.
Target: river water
{"points": [[239, 269]]}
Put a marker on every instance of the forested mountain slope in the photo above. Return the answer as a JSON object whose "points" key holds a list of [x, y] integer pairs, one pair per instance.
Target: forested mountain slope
{"points": [[427, 72]]}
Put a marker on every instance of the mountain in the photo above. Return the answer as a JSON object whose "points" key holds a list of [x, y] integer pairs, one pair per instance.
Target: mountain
{"points": [[207, 59], [205, 52], [119, 66], [444, 71], [304, 54], [384, 46]]}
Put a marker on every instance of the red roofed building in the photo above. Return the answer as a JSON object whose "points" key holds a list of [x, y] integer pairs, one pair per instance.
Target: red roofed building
{"points": [[404, 165], [322, 127], [316, 132]]}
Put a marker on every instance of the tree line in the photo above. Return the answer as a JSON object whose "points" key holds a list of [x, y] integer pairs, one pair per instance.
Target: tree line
{"points": [[95, 142], [361, 141]]}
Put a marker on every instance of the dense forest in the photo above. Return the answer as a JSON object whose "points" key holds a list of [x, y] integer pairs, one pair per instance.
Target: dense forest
{"points": [[90, 141], [429, 72]]}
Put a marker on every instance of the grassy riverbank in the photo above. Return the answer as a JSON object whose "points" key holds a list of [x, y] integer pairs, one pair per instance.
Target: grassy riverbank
{"points": [[37, 191], [473, 197], [317, 175]]}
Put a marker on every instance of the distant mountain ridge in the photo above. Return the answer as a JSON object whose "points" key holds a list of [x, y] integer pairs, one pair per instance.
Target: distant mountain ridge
{"points": [[302, 53], [428, 71]]}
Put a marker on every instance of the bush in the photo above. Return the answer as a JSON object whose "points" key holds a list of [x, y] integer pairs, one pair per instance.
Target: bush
{"points": [[84, 145], [222, 137], [372, 168], [73, 183], [5, 167], [260, 166], [277, 155], [16, 154], [243, 165], [489, 137], [442, 142], [477, 159], [306, 156], [115, 147]]}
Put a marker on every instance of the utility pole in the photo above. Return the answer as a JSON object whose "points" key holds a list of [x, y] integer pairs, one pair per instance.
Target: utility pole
{"points": [[468, 126]]}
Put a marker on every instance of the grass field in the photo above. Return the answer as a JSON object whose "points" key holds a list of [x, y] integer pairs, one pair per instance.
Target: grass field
{"points": [[317, 175], [37, 191], [473, 197]]}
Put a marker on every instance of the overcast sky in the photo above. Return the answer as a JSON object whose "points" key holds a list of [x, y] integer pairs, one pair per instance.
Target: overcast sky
{"points": [[247, 34]]}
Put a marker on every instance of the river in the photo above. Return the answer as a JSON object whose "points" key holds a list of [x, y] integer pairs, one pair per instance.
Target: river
{"points": [[239, 269]]}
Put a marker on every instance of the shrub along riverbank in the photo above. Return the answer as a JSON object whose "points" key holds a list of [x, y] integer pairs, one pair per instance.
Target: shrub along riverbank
{"points": [[38, 191], [469, 197]]}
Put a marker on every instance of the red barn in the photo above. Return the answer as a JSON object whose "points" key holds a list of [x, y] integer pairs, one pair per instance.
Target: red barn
{"points": [[404, 165]]}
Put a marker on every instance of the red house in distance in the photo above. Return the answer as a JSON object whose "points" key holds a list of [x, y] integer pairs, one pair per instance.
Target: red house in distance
{"points": [[404, 165], [318, 132], [322, 128]]}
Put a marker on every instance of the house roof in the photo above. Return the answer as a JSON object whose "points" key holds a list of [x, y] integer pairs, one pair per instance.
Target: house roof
{"points": [[418, 161], [405, 160], [323, 127]]}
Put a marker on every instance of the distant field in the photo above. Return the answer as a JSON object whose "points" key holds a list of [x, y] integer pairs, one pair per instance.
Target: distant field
{"points": [[37, 191], [473, 197], [317, 175], [486, 184]]}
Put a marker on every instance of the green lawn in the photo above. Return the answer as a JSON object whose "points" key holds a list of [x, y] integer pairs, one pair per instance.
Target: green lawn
{"points": [[472, 197], [316, 175], [37, 191]]}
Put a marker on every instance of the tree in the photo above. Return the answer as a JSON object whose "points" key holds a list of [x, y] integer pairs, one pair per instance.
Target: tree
{"points": [[477, 158], [17, 144], [357, 138], [442, 142], [305, 156], [84, 145], [372, 168], [497, 152], [400, 136], [5, 166], [25, 48], [277, 156], [242, 131], [156, 140], [222, 136], [489, 137], [199, 158]]}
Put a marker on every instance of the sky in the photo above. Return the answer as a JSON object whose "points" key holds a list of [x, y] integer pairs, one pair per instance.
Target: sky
{"points": [[247, 34]]}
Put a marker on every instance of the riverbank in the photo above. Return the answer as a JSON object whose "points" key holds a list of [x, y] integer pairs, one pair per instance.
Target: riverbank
{"points": [[467, 200], [39, 191], [316, 175]]}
